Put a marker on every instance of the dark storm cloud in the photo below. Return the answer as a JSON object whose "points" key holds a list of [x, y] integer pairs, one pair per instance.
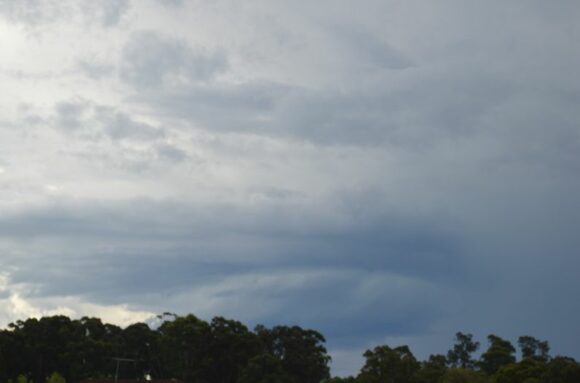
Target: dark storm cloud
{"points": [[147, 248]]}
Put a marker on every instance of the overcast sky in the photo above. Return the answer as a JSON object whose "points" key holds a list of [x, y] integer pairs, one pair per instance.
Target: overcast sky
{"points": [[383, 171]]}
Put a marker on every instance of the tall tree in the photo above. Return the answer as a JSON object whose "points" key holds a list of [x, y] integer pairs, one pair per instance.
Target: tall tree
{"points": [[140, 343], [528, 370], [301, 352], [534, 348], [388, 365], [184, 342], [500, 353], [562, 369], [432, 370], [460, 355], [231, 346], [264, 368], [463, 375]]}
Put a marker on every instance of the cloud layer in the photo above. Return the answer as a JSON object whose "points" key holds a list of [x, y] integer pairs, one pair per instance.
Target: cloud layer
{"points": [[391, 173]]}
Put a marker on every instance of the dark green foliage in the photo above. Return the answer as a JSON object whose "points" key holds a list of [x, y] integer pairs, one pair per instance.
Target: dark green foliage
{"points": [[184, 343], [527, 371], [301, 352], [39, 347], [337, 379], [58, 350], [460, 355], [463, 375], [55, 377], [186, 348], [500, 353], [562, 369], [534, 348], [140, 343], [432, 370], [389, 365], [264, 368], [231, 347]]}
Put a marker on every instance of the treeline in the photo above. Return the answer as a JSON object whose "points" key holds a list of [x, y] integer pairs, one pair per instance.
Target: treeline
{"points": [[184, 347], [57, 349], [497, 364]]}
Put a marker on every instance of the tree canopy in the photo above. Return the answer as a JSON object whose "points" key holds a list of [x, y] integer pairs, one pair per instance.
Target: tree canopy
{"points": [[58, 349]]}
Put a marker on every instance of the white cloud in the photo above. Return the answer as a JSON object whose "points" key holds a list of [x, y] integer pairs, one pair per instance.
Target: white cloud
{"points": [[18, 302]]}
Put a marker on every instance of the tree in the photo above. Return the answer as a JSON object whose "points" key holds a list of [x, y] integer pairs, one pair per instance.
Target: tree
{"points": [[89, 353], [337, 379], [301, 352], [231, 346], [140, 343], [534, 348], [527, 371], [460, 355], [388, 365], [432, 370], [463, 375], [55, 377], [46, 345], [264, 368], [184, 343], [562, 369], [500, 353]]}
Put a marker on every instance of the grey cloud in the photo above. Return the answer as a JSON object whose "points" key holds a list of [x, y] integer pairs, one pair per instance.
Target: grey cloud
{"points": [[171, 3], [244, 108], [153, 250], [37, 12], [70, 115], [30, 11], [118, 125], [407, 170], [84, 117], [95, 70], [420, 115], [149, 60], [108, 12], [171, 152], [435, 98], [106, 130], [391, 246], [370, 50]]}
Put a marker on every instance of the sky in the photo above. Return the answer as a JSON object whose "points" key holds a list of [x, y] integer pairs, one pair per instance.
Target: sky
{"points": [[383, 171]]}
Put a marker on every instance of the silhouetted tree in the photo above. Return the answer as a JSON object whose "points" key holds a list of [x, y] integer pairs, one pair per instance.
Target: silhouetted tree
{"points": [[463, 375], [562, 369], [432, 370], [184, 344], [500, 353], [231, 346], [528, 370], [534, 348], [460, 355], [301, 352], [264, 368], [388, 365]]}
